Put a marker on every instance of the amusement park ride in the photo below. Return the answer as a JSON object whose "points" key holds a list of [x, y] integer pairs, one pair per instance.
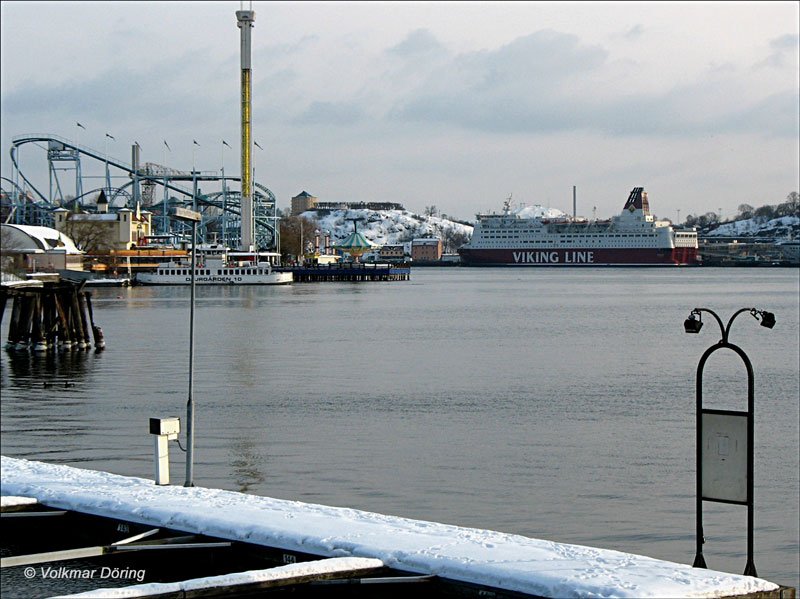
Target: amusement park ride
{"points": [[154, 187], [245, 219]]}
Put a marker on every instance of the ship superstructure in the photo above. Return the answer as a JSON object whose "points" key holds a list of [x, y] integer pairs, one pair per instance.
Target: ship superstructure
{"points": [[633, 238]]}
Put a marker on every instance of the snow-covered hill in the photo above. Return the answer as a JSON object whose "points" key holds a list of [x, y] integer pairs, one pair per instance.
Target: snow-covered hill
{"points": [[386, 227], [784, 227]]}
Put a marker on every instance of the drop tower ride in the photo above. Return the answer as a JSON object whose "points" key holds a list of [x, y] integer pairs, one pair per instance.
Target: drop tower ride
{"points": [[245, 19]]}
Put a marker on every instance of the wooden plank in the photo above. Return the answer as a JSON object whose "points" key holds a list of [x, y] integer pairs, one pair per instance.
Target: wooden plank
{"points": [[139, 537], [171, 547], [286, 581], [24, 514], [287, 578], [51, 556], [83, 552]]}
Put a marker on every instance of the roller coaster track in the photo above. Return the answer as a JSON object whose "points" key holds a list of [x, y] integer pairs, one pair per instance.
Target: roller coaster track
{"points": [[212, 205]]}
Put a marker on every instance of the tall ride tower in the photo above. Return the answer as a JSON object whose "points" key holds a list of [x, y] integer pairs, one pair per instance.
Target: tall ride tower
{"points": [[245, 19]]}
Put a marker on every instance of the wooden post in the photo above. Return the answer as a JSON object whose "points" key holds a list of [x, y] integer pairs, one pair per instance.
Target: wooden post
{"points": [[13, 325], [97, 332], [37, 333], [25, 321], [3, 298], [84, 313], [76, 320], [63, 323]]}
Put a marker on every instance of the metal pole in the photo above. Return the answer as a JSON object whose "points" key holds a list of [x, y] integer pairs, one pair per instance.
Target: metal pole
{"points": [[699, 561], [190, 404]]}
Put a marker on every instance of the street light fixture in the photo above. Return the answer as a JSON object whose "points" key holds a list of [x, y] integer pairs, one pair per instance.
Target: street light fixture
{"points": [[186, 215], [725, 438], [693, 324]]}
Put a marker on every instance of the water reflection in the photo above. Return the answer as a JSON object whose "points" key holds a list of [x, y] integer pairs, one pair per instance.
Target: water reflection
{"points": [[51, 369], [245, 464]]}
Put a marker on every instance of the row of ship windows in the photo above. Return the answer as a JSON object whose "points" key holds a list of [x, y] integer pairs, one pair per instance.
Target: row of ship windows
{"points": [[564, 239], [200, 272]]}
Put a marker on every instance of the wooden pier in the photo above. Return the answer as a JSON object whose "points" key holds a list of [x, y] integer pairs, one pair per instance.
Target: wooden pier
{"points": [[351, 272], [50, 314], [196, 542]]}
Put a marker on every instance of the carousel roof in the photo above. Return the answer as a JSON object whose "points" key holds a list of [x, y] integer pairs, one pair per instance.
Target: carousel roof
{"points": [[354, 241]]}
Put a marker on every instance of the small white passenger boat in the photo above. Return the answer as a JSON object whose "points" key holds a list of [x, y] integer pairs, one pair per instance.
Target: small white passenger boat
{"points": [[216, 265]]}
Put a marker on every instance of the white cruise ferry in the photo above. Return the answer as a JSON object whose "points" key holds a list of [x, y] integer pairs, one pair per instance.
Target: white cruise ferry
{"points": [[634, 238]]}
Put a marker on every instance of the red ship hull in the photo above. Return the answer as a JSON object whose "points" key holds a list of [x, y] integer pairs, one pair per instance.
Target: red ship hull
{"points": [[580, 257]]}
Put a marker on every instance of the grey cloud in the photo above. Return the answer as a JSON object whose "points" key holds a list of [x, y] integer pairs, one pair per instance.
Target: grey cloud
{"points": [[330, 113], [121, 94], [790, 41], [783, 48], [776, 115], [511, 88], [419, 41], [521, 87], [634, 32]]}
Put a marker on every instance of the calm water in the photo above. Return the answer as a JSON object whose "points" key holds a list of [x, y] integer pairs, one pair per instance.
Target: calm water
{"points": [[557, 404]]}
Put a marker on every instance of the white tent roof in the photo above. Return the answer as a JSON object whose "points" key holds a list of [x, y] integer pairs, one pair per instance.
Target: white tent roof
{"points": [[32, 238]]}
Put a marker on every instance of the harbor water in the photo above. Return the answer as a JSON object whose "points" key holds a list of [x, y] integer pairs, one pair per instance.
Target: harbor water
{"points": [[553, 403]]}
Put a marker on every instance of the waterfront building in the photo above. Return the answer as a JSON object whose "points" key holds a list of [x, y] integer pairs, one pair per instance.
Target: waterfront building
{"points": [[392, 253], [302, 202], [428, 249], [124, 229]]}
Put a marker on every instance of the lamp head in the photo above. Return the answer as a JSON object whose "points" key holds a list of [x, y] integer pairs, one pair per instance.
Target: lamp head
{"points": [[693, 324], [767, 319]]}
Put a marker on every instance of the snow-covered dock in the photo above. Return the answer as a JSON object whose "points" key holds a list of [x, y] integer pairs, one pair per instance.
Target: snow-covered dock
{"points": [[492, 559]]}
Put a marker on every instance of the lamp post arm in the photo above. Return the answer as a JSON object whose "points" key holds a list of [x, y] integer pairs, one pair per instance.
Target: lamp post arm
{"points": [[730, 322], [719, 321]]}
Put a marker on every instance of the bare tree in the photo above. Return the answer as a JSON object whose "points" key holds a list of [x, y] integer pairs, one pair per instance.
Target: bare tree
{"points": [[296, 231], [452, 239], [745, 211], [92, 236], [791, 207]]}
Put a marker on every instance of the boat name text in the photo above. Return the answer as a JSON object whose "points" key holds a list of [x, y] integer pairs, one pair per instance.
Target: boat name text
{"points": [[553, 257], [212, 279]]}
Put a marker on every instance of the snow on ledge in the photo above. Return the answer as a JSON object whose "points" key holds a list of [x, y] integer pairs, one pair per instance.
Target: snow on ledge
{"points": [[313, 568], [483, 557], [12, 501]]}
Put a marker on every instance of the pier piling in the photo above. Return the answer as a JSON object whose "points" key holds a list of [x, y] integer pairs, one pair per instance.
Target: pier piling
{"points": [[49, 316]]}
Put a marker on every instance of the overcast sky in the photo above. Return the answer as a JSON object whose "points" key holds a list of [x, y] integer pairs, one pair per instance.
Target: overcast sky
{"points": [[456, 105]]}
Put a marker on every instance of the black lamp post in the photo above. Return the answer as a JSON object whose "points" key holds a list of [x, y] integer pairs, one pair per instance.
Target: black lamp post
{"points": [[725, 475], [194, 218]]}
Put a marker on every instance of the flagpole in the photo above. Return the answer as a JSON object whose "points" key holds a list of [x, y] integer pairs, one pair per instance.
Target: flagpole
{"points": [[78, 187], [108, 175], [194, 177], [224, 193]]}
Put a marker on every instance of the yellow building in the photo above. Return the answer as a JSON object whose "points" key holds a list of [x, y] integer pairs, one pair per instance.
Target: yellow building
{"points": [[105, 231]]}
